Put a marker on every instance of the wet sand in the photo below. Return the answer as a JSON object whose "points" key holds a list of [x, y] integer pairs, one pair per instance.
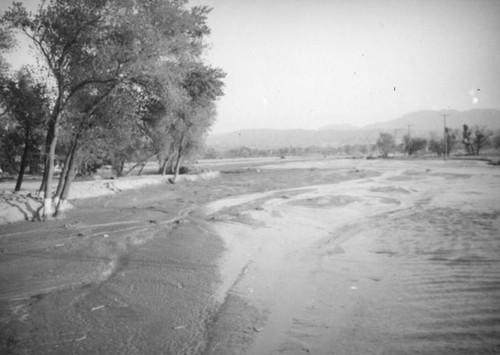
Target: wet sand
{"points": [[407, 262], [320, 257]]}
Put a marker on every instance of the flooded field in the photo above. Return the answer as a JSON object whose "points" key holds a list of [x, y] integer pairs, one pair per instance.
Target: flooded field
{"points": [[299, 257], [407, 262]]}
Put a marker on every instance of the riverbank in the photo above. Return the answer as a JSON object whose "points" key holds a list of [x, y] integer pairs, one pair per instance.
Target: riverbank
{"points": [[24, 205]]}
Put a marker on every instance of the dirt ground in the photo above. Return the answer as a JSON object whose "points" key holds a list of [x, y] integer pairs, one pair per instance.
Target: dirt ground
{"points": [[274, 257]]}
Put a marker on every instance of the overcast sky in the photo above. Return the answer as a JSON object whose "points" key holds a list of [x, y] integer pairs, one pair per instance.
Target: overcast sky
{"points": [[310, 63]]}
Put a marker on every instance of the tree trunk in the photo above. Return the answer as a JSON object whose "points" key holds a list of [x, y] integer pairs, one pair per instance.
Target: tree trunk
{"points": [[63, 176], [177, 166], [42, 185], [121, 168], [166, 163], [163, 169], [24, 160], [68, 179], [179, 159], [142, 162], [47, 196], [50, 152], [161, 162]]}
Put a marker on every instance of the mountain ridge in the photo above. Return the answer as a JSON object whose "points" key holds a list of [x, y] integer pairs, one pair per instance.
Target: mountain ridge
{"points": [[420, 123]]}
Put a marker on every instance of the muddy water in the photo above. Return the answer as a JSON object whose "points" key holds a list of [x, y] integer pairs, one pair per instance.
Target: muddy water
{"points": [[133, 277], [404, 263]]}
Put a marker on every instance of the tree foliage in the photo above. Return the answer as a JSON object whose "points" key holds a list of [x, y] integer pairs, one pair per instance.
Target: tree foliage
{"points": [[386, 144], [413, 144], [129, 81], [481, 138], [7, 42], [26, 104], [475, 139], [496, 140], [437, 145]]}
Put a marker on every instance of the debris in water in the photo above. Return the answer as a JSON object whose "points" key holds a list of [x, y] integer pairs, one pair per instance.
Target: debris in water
{"points": [[59, 245], [97, 308], [82, 338], [105, 235], [258, 330], [215, 347], [180, 327]]}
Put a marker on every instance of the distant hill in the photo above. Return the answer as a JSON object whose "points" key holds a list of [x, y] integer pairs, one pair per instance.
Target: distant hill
{"points": [[433, 120], [279, 138], [422, 123], [340, 127]]}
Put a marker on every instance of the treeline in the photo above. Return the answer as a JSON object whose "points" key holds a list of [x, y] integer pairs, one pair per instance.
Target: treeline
{"points": [[246, 152], [469, 141], [118, 81]]}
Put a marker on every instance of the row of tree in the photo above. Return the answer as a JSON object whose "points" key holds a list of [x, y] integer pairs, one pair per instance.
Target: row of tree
{"points": [[246, 152], [118, 81], [473, 139]]}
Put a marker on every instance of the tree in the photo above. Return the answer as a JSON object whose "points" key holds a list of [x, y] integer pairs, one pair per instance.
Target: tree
{"points": [[496, 140], [203, 85], [475, 139], [62, 31], [452, 139], [436, 145], [26, 102], [101, 49], [480, 138], [7, 42], [413, 144], [467, 140], [385, 144]]}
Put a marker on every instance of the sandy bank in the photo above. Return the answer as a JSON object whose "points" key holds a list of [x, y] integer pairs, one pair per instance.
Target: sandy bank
{"points": [[23, 206]]}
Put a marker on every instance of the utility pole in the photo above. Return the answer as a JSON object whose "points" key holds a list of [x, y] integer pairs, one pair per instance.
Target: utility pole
{"points": [[445, 134]]}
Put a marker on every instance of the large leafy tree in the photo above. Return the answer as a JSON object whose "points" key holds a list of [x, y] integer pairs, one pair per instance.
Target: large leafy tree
{"points": [[203, 86], [62, 32], [26, 105], [101, 49]]}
